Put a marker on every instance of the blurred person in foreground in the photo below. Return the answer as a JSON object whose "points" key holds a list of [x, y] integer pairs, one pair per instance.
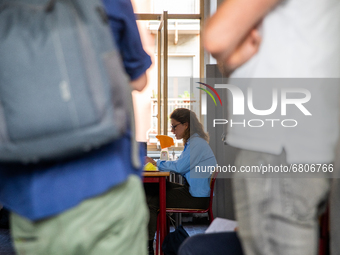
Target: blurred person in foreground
{"points": [[280, 39], [88, 204]]}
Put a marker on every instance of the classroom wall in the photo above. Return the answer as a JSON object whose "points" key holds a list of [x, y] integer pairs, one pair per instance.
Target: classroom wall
{"points": [[225, 154]]}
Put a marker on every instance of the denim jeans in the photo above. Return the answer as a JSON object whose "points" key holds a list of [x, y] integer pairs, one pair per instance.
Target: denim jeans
{"points": [[177, 196], [277, 216]]}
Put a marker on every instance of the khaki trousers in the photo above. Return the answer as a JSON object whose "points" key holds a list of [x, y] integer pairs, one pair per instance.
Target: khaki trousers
{"points": [[114, 223]]}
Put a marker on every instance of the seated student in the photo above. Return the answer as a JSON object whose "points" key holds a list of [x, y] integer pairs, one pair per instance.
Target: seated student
{"points": [[197, 152]]}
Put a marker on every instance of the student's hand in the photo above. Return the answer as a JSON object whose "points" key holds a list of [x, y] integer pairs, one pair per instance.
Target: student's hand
{"points": [[244, 52], [150, 160]]}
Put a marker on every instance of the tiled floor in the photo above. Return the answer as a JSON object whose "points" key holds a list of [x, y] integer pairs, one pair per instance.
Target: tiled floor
{"points": [[191, 228]]}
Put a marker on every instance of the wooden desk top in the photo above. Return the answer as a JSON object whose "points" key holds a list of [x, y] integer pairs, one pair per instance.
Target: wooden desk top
{"points": [[155, 174]]}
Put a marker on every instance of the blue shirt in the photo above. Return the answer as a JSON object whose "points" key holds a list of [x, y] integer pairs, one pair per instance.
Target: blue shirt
{"points": [[40, 191], [123, 25], [196, 153]]}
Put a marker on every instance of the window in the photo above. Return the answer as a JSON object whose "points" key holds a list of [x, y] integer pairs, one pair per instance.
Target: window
{"points": [[174, 46]]}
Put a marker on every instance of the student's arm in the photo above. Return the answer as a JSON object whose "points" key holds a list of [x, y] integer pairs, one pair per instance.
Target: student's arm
{"points": [[180, 166], [192, 155], [231, 35]]}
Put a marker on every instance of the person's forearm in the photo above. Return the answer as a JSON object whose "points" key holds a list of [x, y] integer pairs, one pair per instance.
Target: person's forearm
{"points": [[180, 166], [232, 22]]}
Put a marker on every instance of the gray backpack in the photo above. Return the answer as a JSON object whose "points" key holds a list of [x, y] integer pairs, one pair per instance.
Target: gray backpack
{"points": [[63, 89]]}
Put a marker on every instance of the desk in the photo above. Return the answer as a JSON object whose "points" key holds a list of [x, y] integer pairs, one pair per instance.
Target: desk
{"points": [[160, 177]]}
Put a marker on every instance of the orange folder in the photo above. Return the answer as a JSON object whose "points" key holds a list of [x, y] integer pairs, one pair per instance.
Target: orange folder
{"points": [[166, 141]]}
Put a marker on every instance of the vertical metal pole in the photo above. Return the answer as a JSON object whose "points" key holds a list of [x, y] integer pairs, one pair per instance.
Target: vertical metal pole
{"points": [[165, 98], [159, 113], [201, 55]]}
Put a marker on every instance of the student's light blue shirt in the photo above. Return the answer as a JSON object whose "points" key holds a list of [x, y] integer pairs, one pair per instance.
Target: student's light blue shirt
{"points": [[196, 154]]}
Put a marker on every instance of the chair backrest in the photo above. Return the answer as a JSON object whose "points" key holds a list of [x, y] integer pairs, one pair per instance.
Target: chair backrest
{"points": [[212, 185], [213, 179]]}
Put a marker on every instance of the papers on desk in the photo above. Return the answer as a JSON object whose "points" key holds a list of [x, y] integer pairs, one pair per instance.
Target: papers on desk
{"points": [[221, 225], [150, 167]]}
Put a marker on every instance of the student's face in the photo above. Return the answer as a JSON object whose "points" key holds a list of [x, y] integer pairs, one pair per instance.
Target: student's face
{"points": [[178, 128]]}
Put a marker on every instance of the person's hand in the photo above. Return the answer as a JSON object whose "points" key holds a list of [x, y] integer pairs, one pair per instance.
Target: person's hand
{"points": [[244, 52], [231, 35], [150, 160]]}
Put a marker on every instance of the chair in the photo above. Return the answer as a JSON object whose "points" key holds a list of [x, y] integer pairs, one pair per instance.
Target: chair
{"points": [[324, 237], [187, 210]]}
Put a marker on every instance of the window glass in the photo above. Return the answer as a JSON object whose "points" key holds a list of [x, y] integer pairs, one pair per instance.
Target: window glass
{"points": [[172, 6]]}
